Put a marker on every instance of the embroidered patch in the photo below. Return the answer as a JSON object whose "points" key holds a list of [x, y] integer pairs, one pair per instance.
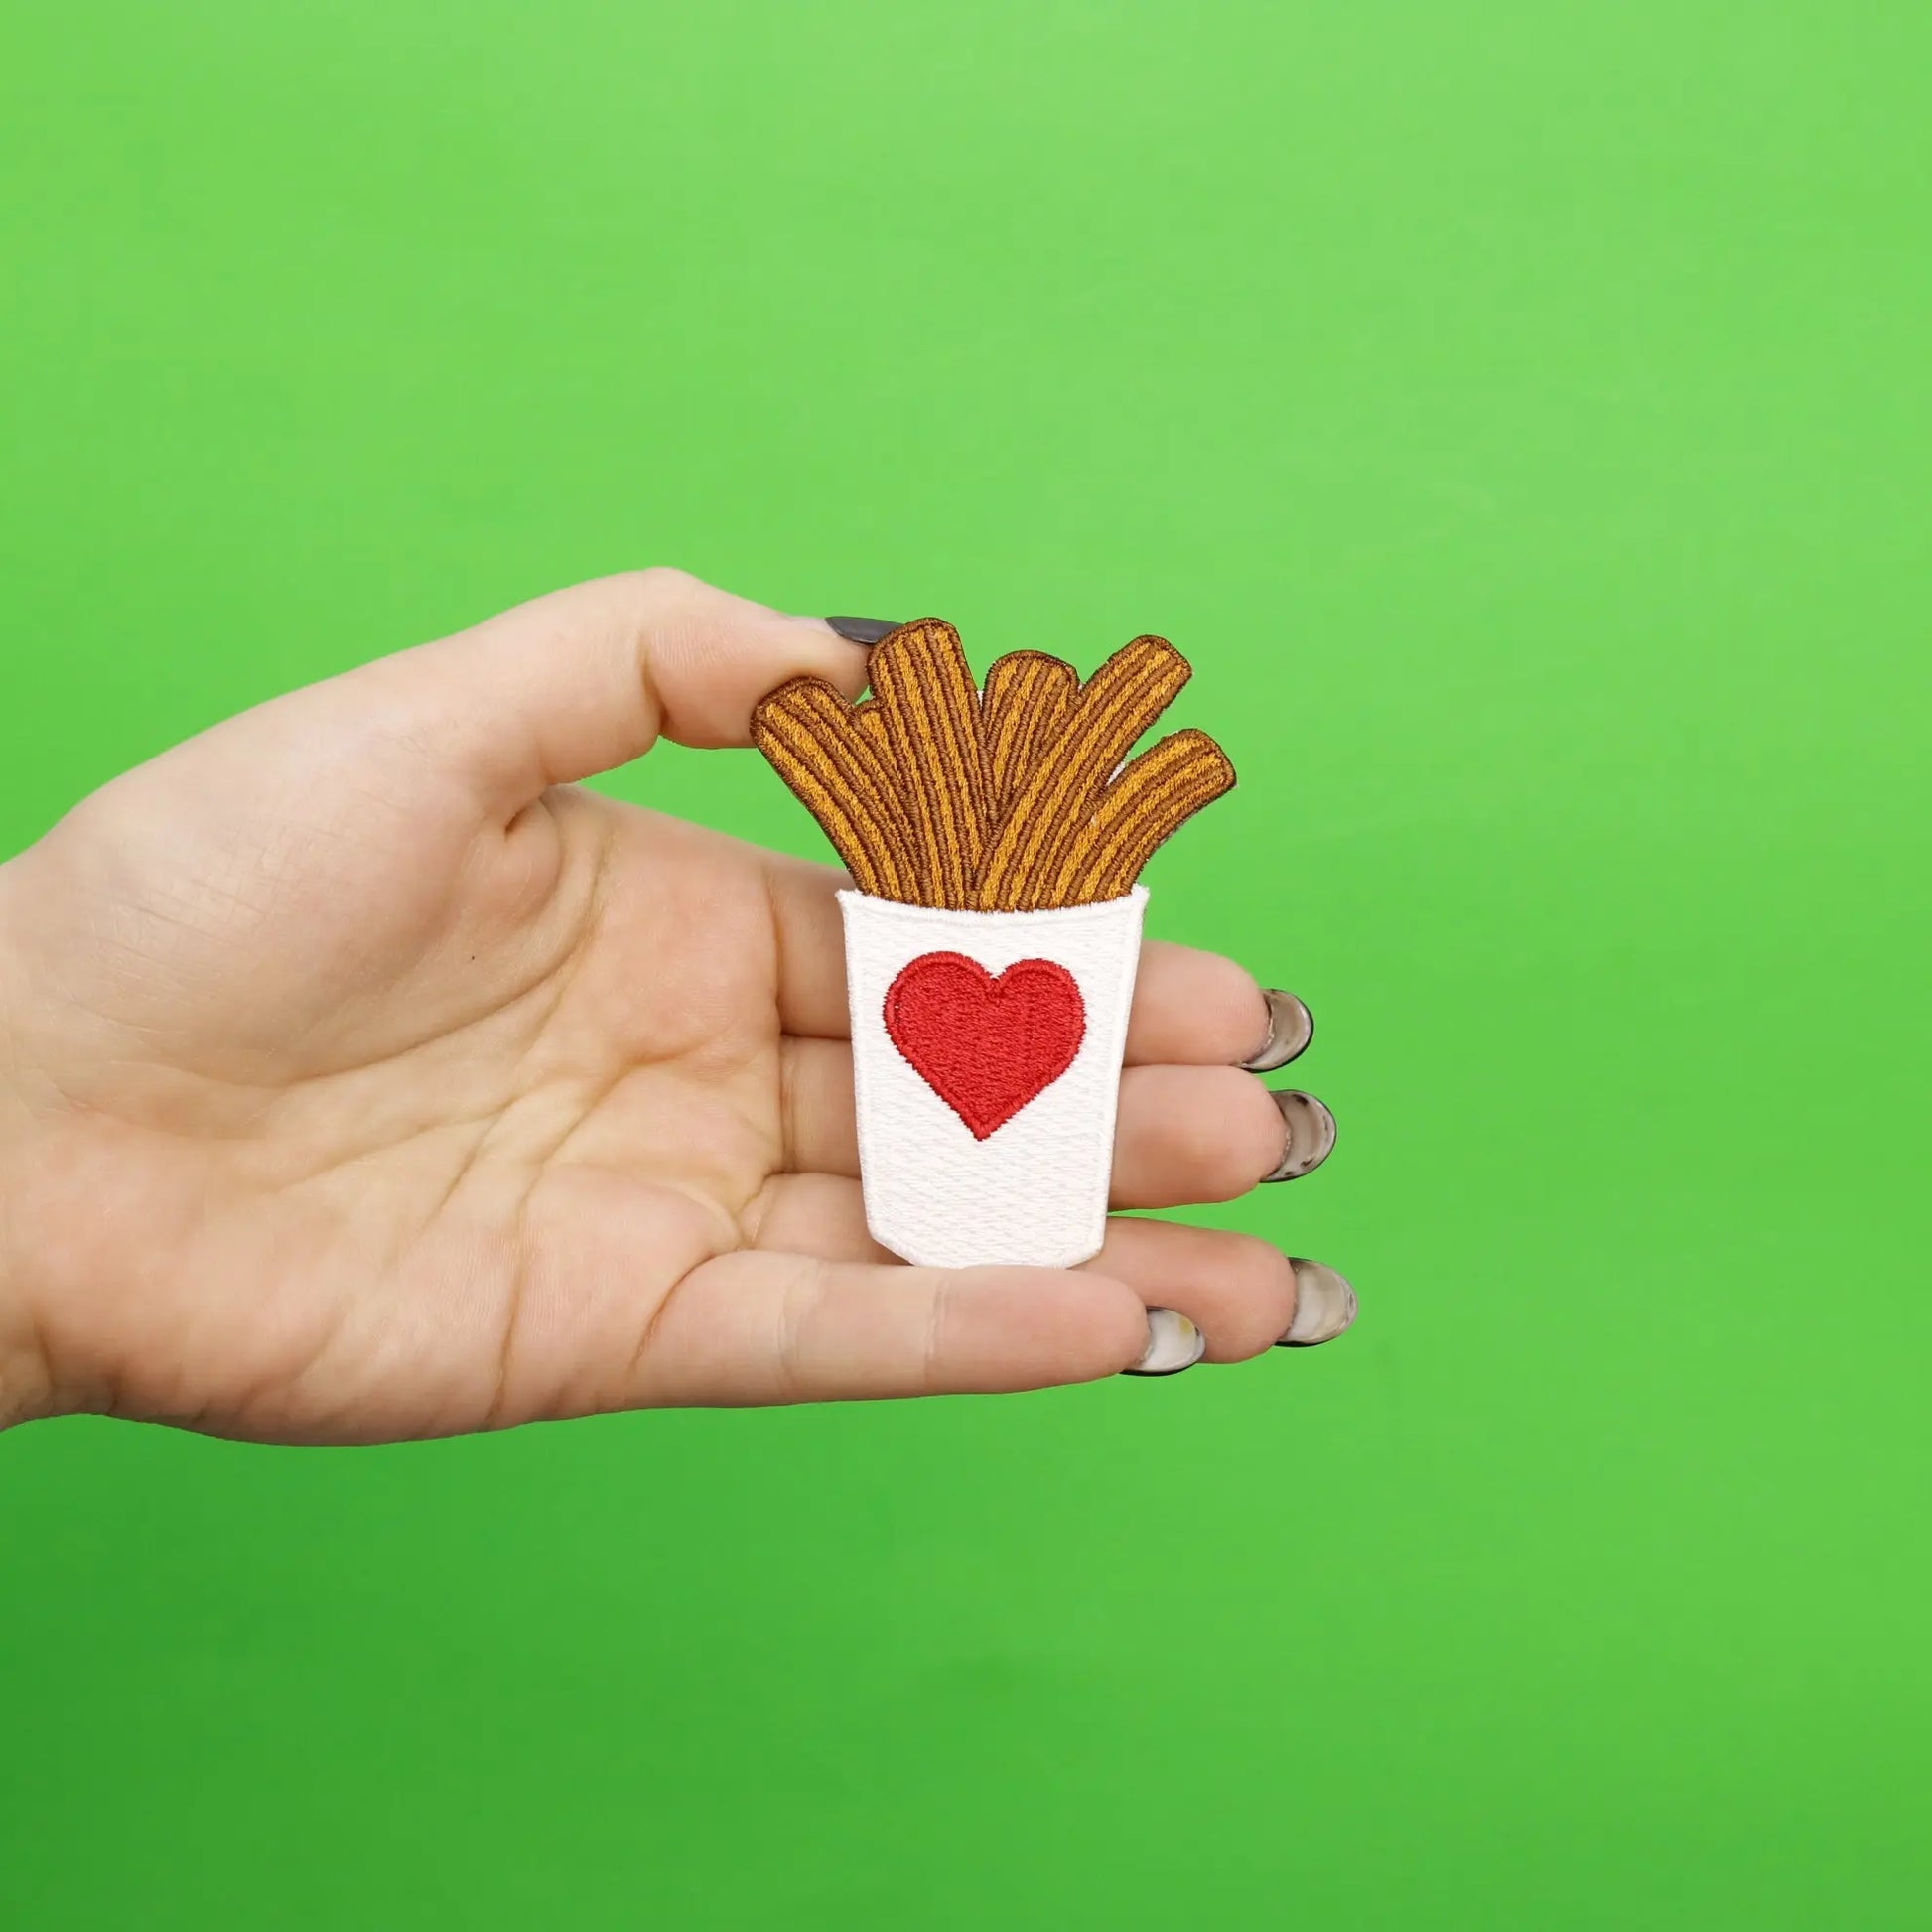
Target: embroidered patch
{"points": [[1033, 1191], [1021, 799], [993, 835], [986, 1046]]}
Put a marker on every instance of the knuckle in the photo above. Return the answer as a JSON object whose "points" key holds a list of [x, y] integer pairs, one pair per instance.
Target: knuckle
{"points": [[646, 594], [786, 1153], [933, 1349], [662, 581]]}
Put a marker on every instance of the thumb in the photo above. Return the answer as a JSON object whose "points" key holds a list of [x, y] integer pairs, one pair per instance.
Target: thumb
{"points": [[588, 678]]}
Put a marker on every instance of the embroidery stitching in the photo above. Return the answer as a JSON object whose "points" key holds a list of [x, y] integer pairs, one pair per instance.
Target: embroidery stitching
{"points": [[931, 712], [1015, 801], [987, 1046], [994, 836]]}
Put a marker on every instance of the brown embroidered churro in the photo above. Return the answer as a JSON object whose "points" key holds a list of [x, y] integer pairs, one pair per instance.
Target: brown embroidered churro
{"points": [[1020, 800], [843, 778], [930, 707], [1053, 802], [1161, 789], [1026, 705]]}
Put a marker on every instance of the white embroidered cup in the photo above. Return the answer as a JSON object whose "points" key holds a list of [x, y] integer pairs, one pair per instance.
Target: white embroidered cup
{"points": [[986, 1053]]}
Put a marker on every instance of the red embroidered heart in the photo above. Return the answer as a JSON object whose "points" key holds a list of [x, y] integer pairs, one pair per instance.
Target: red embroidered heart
{"points": [[986, 1046]]}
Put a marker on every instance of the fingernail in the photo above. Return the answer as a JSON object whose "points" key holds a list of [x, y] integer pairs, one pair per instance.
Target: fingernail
{"points": [[1311, 1133], [863, 631], [1291, 1026], [1172, 1343], [1325, 1306]]}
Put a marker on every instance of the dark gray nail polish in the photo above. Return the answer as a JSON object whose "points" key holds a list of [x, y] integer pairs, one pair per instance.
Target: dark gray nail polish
{"points": [[1324, 1305], [863, 631], [1311, 1133], [1291, 1026]]}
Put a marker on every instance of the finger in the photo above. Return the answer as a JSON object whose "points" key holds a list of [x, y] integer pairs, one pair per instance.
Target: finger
{"points": [[817, 1107], [588, 678], [763, 1328], [1193, 1009], [811, 946], [1193, 1134], [1236, 1289], [1182, 1134], [1239, 1291], [819, 1214], [1190, 1008]]}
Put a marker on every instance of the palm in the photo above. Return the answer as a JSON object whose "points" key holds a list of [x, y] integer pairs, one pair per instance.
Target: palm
{"points": [[386, 1111]]}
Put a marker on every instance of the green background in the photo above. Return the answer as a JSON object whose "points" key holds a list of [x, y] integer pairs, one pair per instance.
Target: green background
{"points": [[1520, 414]]}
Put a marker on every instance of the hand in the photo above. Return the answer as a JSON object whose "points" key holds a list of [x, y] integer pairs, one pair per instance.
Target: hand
{"points": [[361, 1077]]}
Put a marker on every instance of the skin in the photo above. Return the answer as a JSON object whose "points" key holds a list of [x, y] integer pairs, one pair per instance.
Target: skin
{"points": [[362, 1077]]}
